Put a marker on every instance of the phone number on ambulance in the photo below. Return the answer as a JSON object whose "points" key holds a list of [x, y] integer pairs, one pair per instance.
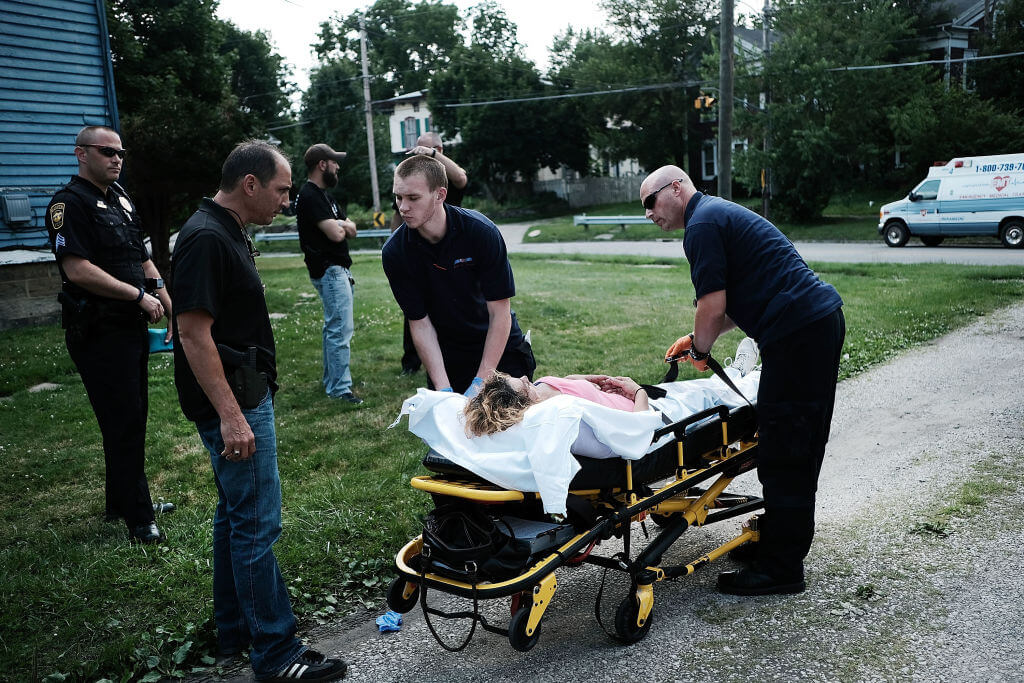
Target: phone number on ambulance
{"points": [[994, 168]]}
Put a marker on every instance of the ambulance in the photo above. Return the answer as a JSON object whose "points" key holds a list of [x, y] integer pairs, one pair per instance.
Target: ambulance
{"points": [[966, 197]]}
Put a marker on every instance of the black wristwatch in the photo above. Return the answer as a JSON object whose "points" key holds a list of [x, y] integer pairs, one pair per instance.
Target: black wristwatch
{"points": [[154, 283]]}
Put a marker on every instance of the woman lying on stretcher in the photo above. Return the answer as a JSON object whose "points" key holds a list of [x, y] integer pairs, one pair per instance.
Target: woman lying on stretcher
{"points": [[503, 399]]}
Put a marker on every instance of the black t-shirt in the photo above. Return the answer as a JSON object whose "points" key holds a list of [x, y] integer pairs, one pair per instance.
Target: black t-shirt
{"points": [[212, 269], [455, 194], [312, 206], [453, 280], [102, 228]]}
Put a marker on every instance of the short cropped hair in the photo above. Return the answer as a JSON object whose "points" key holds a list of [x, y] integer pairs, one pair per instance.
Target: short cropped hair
{"points": [[88, 134], [430, 139], [256, 157], [431, 169]]}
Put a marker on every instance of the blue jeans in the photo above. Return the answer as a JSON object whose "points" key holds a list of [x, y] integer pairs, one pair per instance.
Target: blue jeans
{"points": [[335, 290], [250, 599]]}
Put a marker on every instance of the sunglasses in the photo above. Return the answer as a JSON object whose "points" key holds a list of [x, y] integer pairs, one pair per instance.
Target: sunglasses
{"points": [[108, 151], [652, 197]]}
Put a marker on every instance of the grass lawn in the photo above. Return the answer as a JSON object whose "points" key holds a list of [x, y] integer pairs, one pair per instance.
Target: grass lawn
{"points": [[81, 602], [851, 217]]}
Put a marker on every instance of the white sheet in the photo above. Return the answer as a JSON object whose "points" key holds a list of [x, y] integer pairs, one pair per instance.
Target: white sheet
{"points": [[535, 455]]}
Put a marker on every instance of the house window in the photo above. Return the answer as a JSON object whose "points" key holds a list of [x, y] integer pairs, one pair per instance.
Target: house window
{"points": [[409, 132], [709, 160]]}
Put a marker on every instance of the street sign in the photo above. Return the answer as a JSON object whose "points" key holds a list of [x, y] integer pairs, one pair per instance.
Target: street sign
{"points": [[378, 219]]}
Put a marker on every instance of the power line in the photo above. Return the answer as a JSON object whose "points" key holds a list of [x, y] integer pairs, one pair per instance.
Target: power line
{"points": [[638, 88], [927, 61]]}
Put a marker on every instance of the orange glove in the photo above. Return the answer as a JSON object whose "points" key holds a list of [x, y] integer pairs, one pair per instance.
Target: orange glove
{"points": [[699, 365], [680, 349]]}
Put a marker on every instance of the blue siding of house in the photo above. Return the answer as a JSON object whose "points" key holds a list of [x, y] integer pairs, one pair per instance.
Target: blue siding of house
{"points": [[55, 77]]}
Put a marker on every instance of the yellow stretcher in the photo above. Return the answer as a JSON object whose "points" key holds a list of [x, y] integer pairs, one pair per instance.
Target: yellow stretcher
{"points": [[679, 486]]}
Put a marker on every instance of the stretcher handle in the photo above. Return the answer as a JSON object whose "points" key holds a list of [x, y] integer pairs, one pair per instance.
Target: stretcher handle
{"points": [[679, 428]]}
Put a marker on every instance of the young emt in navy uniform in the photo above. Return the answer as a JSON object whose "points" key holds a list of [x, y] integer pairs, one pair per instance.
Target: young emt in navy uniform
{"points": [[449, 272]]}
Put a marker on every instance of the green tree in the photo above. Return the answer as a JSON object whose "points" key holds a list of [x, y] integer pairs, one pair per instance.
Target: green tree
{"points": [[501, 142], [999, 80], [652, 43], [174, 71], [828, 126]]}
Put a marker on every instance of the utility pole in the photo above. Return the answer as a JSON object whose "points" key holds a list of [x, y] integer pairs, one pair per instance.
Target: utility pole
{"points": [[725, 100], [766, 172], [369, 115]]}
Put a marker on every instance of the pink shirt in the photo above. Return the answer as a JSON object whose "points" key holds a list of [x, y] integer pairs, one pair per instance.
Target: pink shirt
{"points": [[581, 388]]}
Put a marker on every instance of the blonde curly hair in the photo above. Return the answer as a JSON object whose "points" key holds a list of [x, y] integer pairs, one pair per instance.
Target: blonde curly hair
{"points": [[497, 407]]}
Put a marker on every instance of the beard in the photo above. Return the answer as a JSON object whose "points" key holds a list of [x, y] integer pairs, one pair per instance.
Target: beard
{"points": [[330, 178]]}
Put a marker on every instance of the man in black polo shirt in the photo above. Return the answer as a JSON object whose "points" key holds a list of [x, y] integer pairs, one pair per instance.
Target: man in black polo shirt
{"points": [[109, 290], [225, 371], [324, 232], [448, 270]]}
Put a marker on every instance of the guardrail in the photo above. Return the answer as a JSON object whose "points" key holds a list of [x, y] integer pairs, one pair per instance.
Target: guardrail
{"points": [[586, 220], [279, 236]]}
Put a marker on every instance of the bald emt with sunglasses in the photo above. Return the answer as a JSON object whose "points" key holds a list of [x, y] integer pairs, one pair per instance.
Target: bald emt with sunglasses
{"points": [[747, 274], [110, 290]]}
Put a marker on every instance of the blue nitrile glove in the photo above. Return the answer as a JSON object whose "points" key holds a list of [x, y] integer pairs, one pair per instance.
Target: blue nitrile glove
{"points": [[474, 387], [449, 390], [389, 621]]}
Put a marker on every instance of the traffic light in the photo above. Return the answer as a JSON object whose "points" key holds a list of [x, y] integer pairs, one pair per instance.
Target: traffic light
{"points": [[703, 102]]}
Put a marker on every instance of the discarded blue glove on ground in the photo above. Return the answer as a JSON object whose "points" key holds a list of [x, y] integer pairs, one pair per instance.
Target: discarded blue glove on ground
{"points": [[389, 621]]}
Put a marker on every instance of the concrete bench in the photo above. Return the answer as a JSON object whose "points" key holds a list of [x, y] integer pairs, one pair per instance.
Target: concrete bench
{"points": [[277, 236], [586, 220]]}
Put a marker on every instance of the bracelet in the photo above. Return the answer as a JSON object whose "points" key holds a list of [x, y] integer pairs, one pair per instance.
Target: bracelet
{"points": [[142, 293], [697, 355]]}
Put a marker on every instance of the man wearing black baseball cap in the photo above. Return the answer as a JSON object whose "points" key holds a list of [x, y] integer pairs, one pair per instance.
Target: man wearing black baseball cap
{"points": [[324, 232]]}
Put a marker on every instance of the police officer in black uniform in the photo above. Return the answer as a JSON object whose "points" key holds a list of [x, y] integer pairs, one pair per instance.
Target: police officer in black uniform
{"points": [[110, 290]]}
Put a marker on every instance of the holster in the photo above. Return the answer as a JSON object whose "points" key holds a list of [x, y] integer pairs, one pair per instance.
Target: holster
{"points": [[248, 384]]}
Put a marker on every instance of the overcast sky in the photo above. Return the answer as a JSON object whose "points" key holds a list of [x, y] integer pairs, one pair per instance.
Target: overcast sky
{"points": [[292, 24]]}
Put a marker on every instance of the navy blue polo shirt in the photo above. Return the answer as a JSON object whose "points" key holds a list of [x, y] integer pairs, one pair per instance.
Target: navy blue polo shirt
{"points": [[770, 292], [453, 280]]}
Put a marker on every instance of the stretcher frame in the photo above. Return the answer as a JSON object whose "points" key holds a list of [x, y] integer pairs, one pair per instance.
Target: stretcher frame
{"points": [[676, 505]]}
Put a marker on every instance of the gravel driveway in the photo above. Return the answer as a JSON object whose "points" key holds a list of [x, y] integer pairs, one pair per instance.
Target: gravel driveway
{"points": [[915, 573]]}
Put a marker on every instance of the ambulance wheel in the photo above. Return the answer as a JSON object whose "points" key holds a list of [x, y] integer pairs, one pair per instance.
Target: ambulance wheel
{"points": [[931, 240], [625, 621], [517, 636], [895, 233], [1012, 235], [395, 599]]}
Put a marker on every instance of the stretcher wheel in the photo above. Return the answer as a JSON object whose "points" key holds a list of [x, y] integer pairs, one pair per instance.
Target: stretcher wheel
{"points": [[397, 601], [625, 621], [662, 520], [517, 637]]}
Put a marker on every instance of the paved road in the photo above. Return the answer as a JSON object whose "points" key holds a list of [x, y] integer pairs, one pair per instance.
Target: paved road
{"points": [[837, 252]]}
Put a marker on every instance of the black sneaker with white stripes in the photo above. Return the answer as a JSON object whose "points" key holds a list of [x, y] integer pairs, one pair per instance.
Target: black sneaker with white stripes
{"points": [[311, 666]]}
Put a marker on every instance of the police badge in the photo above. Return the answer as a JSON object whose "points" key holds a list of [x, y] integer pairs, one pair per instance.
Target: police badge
{"points": [[125, 203], [57, 215]]}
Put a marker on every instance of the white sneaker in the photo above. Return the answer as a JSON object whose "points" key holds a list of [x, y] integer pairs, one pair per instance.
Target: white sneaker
{"points": [[746, 356]]}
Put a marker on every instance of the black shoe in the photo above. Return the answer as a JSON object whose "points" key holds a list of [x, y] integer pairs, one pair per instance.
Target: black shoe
{"points": [[745, 553], [164, 508], [146, 533], [311, 666], [752, 581], [227, 656], [350, 398]]}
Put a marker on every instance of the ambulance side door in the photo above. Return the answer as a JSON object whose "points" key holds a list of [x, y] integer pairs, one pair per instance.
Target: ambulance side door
{"points": [[923, 213]]}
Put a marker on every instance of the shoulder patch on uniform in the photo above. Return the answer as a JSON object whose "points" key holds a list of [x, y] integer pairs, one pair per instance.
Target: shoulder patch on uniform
{"points": [[57, 215]]}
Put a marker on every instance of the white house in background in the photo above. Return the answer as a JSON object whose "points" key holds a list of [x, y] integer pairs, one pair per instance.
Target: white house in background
{"points": [[409, 118]]}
